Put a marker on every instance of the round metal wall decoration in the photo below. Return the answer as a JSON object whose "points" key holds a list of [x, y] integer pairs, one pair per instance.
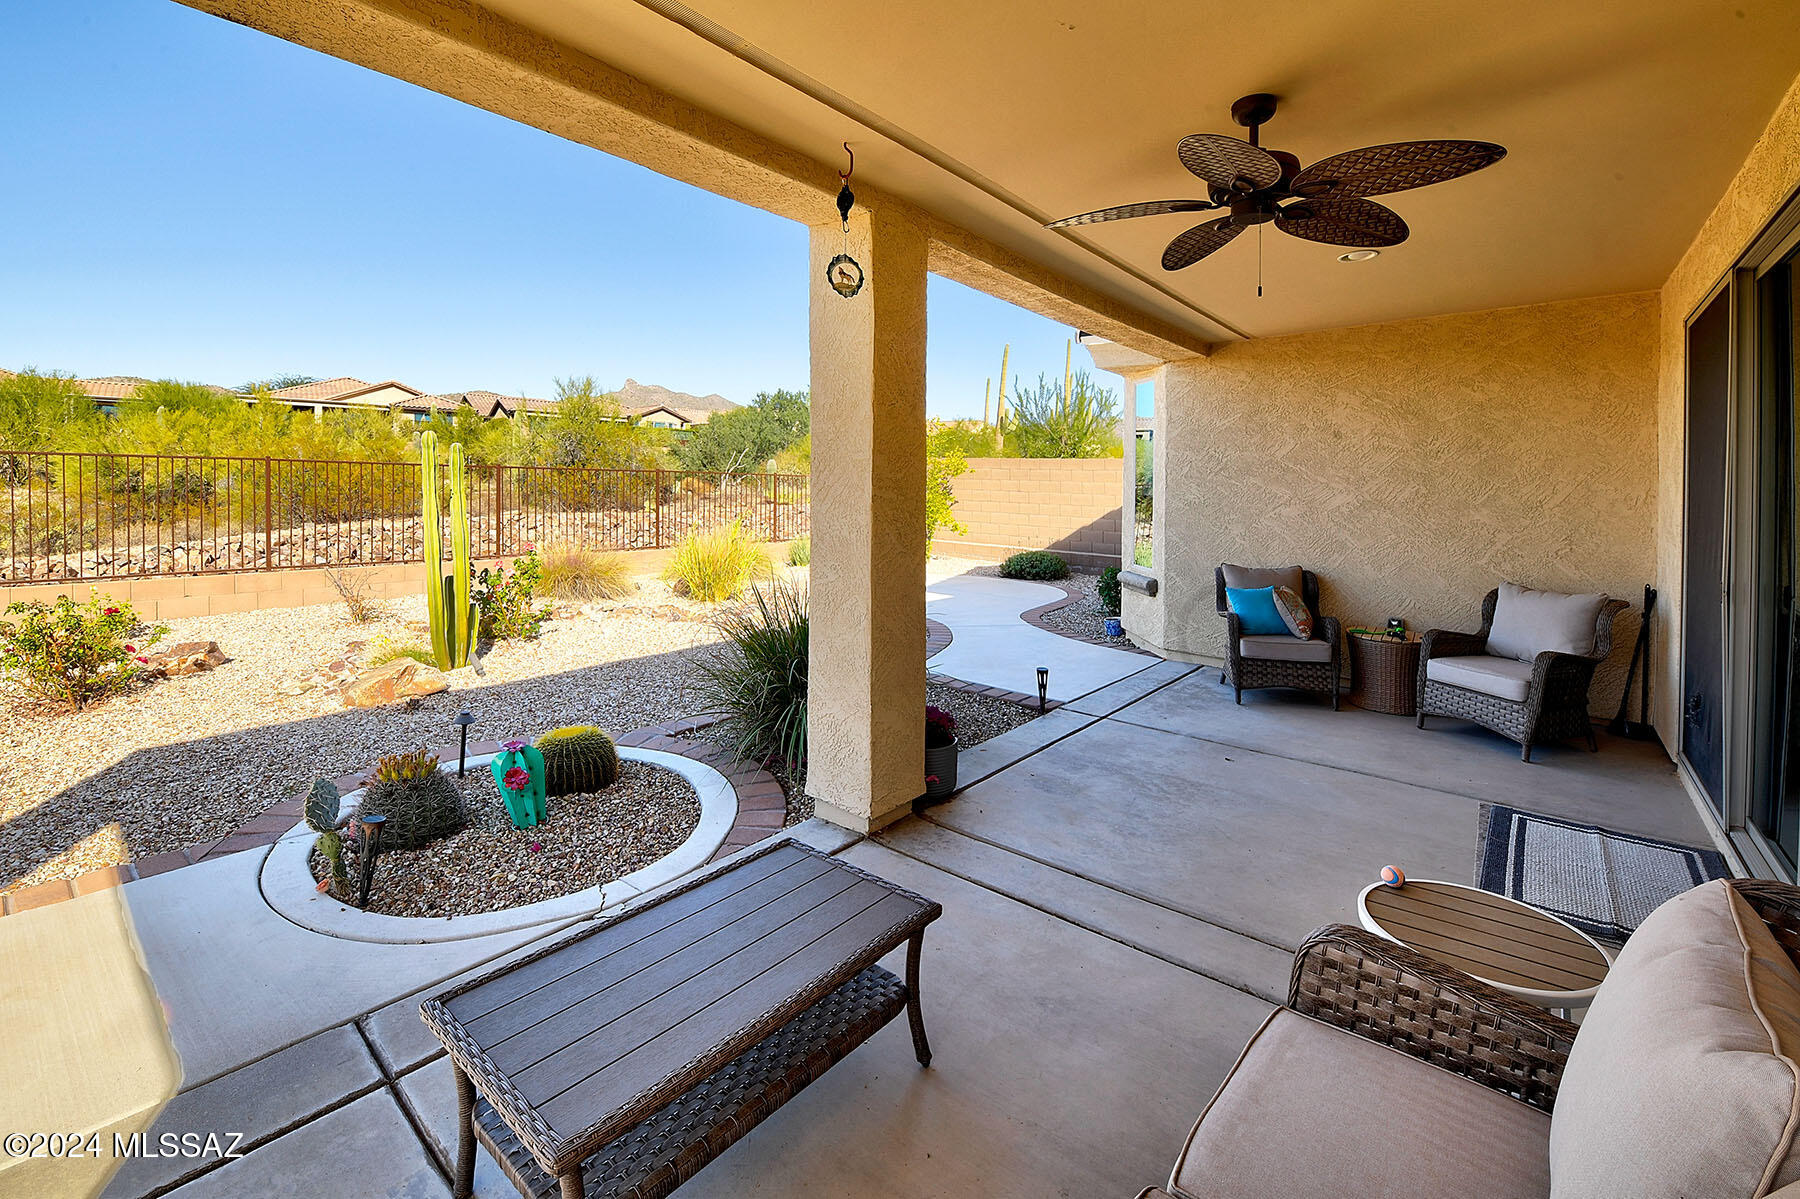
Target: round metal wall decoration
{"points": [[845, 275], [843, 272]]}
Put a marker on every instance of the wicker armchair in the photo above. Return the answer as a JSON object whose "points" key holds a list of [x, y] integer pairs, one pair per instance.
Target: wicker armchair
{"points": [[1310, 1110], [1395, 996], [1555, 707], [1247, 672]]}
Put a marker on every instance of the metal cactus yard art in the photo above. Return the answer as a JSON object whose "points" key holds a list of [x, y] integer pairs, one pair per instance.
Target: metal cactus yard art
{"points": [[519, 773]]}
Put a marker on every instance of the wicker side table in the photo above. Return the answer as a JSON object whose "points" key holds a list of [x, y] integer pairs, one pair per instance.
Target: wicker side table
{"points": [[1384, 673]]}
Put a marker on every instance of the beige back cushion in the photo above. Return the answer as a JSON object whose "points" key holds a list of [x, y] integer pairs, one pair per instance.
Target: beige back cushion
{"points": [[1528, 622], [1683, 1079], [1262, 576]]}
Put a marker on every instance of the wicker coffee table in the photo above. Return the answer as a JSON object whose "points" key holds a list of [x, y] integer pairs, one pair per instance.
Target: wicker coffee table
{"points": [[1501, 941], [620, 1061]]}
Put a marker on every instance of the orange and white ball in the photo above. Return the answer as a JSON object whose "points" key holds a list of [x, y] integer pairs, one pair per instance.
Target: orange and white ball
{"points": [[1392, 876]]}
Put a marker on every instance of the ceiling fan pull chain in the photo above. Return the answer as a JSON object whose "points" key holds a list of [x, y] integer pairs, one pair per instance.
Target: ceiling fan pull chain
{"points": [[1259, 262]]}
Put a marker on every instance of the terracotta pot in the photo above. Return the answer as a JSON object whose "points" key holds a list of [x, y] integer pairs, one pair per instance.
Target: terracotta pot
{"points": [[940, 761]]}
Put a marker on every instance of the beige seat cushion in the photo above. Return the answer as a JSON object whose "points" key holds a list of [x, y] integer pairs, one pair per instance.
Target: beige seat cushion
{"points": [[1528, 622], [1682, 1081], [1310, 1110], [1504, 678], [1282, 648], [1262, 576]]}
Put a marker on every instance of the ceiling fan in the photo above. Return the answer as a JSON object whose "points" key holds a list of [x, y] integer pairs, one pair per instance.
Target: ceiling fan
{"points": [[1326, 202]]}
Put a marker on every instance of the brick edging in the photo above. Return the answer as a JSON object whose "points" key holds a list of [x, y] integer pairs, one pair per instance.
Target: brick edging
{"points": [[1000, 693], [938, 637], [1034, 618], [761, 812]]}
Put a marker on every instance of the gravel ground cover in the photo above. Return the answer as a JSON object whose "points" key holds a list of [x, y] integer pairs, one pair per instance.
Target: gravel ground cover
{"points": [[490, 865], [1083, 615], [184, 761]]}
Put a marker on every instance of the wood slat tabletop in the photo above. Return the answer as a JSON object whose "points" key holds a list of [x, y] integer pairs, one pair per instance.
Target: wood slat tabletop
{"points": [[1487, 935], [585, 1038]]}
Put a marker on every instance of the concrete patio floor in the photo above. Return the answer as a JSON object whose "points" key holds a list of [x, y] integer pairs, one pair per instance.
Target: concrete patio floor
{"points": [[1121, 904]]}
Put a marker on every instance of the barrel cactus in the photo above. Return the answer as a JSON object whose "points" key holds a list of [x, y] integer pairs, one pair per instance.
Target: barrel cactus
{"points": [[578, 760], [418, 803]]}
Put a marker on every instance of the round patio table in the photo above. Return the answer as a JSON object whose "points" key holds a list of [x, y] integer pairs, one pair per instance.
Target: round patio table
{"points": [[1505, 943]]}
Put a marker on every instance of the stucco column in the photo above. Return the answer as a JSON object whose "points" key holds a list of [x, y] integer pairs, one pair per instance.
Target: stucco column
{"points": [[866, 708]]}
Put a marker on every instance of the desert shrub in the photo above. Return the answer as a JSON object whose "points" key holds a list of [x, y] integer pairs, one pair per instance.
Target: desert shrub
{"points": [[1035, 564], [757, 685], [1079, 422], [578, 760], [418, 803], [575, 572], [359, 599], [504, 601], [717, 564], [800, 552], [1107, 589], [387, 649], [72, 653]]}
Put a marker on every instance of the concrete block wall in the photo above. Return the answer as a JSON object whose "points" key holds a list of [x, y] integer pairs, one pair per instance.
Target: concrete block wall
{"points": [[1069, 505], [171, 597]]}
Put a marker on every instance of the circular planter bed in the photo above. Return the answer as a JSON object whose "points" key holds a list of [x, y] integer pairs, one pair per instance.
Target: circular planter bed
{"points": [[588, 840], [664, 818]]}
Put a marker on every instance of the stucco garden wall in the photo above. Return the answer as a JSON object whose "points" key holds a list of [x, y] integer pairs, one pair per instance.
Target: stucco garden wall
{"points": [[1413, 465], [1770, 174]]}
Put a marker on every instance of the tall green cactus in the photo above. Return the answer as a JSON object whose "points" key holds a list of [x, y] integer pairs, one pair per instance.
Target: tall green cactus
{"points": [[452, 611]]}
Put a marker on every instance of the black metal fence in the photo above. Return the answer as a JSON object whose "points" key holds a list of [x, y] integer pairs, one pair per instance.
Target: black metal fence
{"points": [[107, 516]]}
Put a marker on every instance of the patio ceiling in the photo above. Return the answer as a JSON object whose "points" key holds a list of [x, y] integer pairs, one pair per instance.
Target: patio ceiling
{"points": [[1625, 122]]}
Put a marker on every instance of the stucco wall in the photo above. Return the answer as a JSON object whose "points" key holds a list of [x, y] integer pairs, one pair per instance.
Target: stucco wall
{"points": [[1770, 174], [1070, 505], [1414, 465]]}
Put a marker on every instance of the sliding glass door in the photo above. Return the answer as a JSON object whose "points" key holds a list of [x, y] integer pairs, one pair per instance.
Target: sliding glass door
{"points": [[1775, 804]]}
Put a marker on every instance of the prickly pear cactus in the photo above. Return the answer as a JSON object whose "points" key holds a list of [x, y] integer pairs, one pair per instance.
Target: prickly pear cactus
{"points": [[331, 848], [525, 805], [322, 806], [578, 760]]}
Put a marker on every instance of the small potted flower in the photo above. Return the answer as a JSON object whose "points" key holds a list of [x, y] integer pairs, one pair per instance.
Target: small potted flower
{"points": [[940, 753]]}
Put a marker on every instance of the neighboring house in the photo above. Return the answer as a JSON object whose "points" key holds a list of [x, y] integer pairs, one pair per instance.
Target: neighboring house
{"points": [[347, 393], [108, 390], [485, 404], [661, 408]]}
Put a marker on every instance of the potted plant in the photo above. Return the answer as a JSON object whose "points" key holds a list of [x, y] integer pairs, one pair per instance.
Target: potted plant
{"points": [[940, 753]]}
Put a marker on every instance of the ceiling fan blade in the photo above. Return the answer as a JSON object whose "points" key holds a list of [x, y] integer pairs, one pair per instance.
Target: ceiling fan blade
{"points": [[1124, 212], [1394, 167], [1346, 222], [1228, 163], [1190, 247]]}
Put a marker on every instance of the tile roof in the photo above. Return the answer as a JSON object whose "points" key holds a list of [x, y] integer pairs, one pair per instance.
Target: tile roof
{"points": [[341, 388]]}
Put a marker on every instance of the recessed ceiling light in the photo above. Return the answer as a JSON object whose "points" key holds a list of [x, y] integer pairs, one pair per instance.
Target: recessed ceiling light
{"points": [[1359, 255]]}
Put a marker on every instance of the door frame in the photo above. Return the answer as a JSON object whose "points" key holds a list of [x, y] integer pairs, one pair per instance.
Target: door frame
{"points": [[1747, 515]]}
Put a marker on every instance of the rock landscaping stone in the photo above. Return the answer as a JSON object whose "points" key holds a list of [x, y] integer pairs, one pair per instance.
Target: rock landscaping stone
{"points": [[188, 657], [392, 682]]}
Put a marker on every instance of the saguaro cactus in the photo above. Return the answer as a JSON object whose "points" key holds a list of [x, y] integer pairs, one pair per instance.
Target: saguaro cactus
{"points": [[452, 612]]}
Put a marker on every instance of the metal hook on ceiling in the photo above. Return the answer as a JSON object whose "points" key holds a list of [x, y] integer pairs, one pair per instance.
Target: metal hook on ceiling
{"points": [[844, 176]]}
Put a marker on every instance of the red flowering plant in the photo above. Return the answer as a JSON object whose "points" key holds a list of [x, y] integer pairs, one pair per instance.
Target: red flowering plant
{"points": [[940, 728], [72, 653]]}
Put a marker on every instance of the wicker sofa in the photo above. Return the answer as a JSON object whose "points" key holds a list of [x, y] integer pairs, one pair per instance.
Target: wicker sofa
{"points": [[1541, 699], [1279, 661], [1388, 1074]]}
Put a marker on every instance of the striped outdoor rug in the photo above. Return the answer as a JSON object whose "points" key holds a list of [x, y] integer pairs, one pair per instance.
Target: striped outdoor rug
{"points": [[1602, 881]]}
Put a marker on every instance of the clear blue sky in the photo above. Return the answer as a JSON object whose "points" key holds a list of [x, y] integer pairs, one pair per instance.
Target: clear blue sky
{"points": [[188, 198]]}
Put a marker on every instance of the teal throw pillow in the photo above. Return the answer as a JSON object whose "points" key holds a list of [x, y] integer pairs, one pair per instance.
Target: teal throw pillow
{"points": [[1255, 607]]}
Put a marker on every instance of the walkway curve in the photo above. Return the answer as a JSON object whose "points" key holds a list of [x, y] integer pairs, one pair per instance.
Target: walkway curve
{"points": [[993, 644]]}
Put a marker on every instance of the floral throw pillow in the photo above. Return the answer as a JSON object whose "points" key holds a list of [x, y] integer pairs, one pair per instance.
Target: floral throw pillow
{"points": [[1294, 613]]}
